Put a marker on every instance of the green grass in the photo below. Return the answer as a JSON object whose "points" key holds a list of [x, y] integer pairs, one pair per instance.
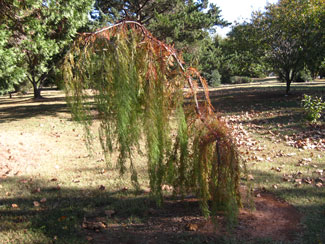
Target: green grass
{"points": [[271, 112], [50, 161]]}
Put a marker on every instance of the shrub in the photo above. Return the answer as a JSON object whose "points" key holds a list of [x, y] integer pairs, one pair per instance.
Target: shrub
{"points": [[303, 76], [313, 107], [215, 80], [240, 79]]}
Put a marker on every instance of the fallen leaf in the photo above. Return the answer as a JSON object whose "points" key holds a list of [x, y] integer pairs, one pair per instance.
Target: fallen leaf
{"points": [[307, 160], [14, 205], [319, 171], [307, 180], [96, 226], [259, 159], [287, 177], [192, 227], [54, 179], [62, 218], [319, 184], [291, 154], [298, 180], [36, 190], [43, 200], [250, 177], [89, 238], [125, 188]]}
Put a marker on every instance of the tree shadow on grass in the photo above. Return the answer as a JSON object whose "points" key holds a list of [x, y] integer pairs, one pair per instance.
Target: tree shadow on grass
{"points": [[66, 211], [70, 215], [245, 100], [237, 99], [24, 109], [16, 113]]}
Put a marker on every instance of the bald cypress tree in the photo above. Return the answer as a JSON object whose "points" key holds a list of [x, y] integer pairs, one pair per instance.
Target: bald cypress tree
{"points": [[135, 84]]}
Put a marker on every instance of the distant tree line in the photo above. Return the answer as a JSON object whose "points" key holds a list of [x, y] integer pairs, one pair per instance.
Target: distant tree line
{"points": [[287, 38]]}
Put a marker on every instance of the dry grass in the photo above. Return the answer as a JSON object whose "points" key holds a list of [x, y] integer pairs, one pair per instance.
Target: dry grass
{"points": [[43, 156]]}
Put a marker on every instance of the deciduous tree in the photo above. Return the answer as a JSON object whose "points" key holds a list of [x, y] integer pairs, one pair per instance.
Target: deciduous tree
{"points": [[37, 31], [293, 31]]}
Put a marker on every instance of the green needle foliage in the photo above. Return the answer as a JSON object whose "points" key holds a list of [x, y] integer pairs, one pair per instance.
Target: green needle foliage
{"points": [[138, 89]]}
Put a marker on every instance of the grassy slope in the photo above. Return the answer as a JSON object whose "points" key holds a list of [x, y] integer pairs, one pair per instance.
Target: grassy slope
{"points": [[48, 160]]}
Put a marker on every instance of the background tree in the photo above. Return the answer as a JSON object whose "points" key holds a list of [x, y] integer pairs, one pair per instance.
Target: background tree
{"points": [[210, 60], [292, 39], [37, 31], [10, 72], [185, 24], [244, 48]]}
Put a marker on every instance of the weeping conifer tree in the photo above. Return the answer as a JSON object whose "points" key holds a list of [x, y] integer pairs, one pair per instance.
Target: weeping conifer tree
{"points": [[141, 91]]}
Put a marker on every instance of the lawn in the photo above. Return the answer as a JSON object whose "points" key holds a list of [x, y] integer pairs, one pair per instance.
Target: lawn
{"points": [[53, 190]]}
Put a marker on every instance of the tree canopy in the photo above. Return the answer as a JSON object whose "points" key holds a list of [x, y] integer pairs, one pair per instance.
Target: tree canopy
{"points": [[185, 24], [245, 49], [37, 31], [293, 39]]}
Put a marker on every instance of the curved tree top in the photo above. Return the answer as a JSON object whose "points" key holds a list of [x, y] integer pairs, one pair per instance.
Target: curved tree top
{"points": [[179, 21]]}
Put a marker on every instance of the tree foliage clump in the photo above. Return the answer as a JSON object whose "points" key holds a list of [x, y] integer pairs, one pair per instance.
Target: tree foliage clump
{"points": [[138, 85], [36, 34], [292, 40], [10, 73], [185, 24]]}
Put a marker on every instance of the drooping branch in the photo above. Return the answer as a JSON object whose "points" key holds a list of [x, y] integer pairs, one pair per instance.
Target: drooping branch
{"points": [[172, 52]]}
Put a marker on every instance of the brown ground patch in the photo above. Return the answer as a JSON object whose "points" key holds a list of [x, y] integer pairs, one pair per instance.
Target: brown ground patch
{"points": [[181, 222], [272, 219]]}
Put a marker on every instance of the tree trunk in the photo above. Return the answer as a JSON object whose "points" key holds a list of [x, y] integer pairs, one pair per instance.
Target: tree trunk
{"points": [[37, 91], [288, 79], [288, 87]]}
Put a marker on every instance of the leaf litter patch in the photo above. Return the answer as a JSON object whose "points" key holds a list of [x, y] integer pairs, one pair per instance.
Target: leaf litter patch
{"points": [[180, 220]]}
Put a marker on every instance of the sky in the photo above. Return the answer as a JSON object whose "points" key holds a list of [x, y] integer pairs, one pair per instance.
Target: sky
{"points": [[238, 10]]}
